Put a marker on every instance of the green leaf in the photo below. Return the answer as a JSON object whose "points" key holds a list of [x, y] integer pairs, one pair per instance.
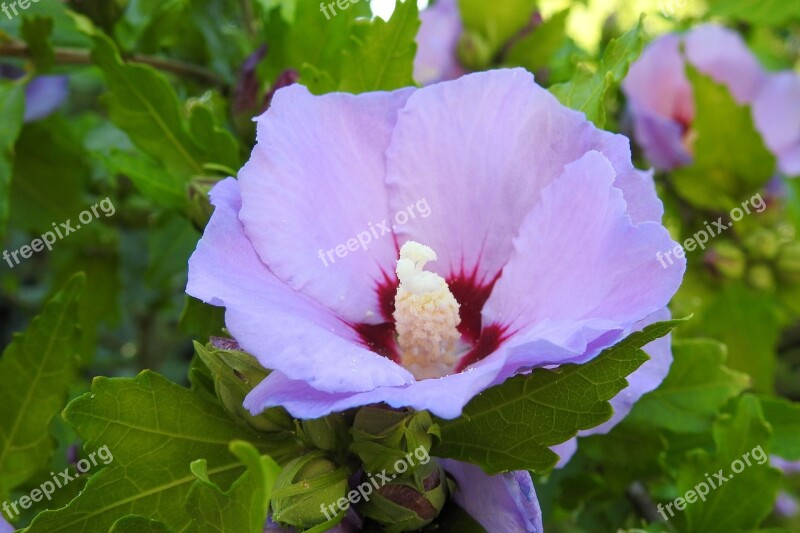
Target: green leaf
{"points": [[587, 91], [512, 425], [535, 50], [244, 507], [143, 104], [766, 12], [200, 319], [164, 188], [39, 367], [39, 195], [154, 429], [217, 143], [746, 321], [313, 44], [731, 161], [611, 455], [382, 59], [747, 496], [784, 418], [12, 102], [36, 33], [697, 387], [496, 22]]}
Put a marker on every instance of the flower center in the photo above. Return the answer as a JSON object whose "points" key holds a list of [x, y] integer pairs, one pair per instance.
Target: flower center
{"points": [[426, 316]]}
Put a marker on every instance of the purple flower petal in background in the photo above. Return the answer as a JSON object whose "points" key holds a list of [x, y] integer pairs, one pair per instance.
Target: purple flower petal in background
{"points": [[5, 527], [43, 94], [788, 467], [437, 43], [776, 111], [660, 95], [786, 505], [523, 196], [505, 502]]}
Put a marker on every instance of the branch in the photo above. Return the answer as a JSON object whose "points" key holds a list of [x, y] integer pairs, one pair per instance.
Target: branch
{"points": [[79, 56]]}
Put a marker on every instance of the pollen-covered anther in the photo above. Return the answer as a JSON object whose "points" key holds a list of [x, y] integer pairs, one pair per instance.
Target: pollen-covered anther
{"points": [[426, 315]]}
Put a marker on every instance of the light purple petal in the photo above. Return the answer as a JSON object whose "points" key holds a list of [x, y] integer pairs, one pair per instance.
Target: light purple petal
{"points": [[776, 111], [5, 527], [315, 182], [437, 42], [480, 150], [657, 81], [593, 264], [284, 329], [43, 95], [444, 397], [722, 54], [660, 99], [500, 503]]}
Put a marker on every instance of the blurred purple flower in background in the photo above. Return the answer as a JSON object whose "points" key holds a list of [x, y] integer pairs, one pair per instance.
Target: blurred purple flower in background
{"points": [[546, 239], [662, 105], [43, 94], [437, 44], [786, 505]]}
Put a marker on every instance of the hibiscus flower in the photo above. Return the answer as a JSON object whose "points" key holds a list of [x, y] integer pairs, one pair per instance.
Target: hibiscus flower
{"points": [[539, 248], [662, 105], [536, 246]]}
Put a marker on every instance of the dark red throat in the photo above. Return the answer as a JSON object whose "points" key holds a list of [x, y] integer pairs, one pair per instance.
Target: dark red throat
{"points": [[471, 295]]}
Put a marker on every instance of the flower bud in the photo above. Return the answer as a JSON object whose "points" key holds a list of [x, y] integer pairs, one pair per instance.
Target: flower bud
{"points": [[330, 433], [761, 277], [726, 260], [383, 438], [235, 373], [473, 51], [789, 263], [304, 487], [410, 502], [762, 244]]}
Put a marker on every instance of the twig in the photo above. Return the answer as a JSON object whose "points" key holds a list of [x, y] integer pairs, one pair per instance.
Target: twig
{"points": [[79, 56]]}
